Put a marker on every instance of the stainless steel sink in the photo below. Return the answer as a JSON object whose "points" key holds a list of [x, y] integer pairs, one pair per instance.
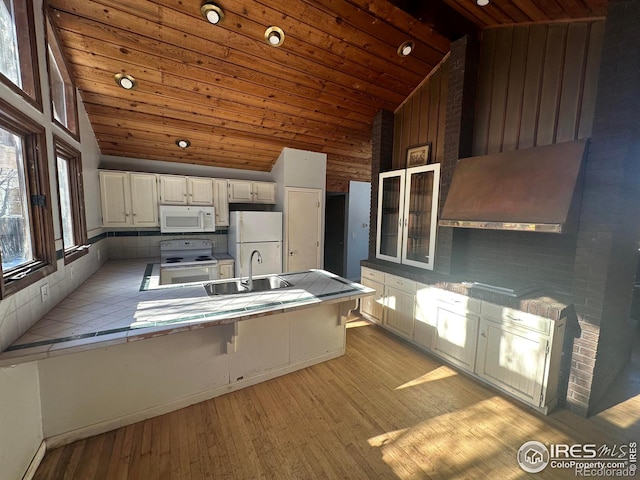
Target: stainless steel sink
{"points": [[232, 287]]}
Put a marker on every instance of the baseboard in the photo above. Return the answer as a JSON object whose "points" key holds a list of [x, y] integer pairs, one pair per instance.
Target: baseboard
{"points": [[112, 424], [35, 461]]}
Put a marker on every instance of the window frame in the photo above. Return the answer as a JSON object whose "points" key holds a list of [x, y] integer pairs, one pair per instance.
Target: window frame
{"points": [[27, 55], [37, 183], [74, 163], [71, 101]]}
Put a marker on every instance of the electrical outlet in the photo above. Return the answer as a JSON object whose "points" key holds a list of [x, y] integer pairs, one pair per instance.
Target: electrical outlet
{"points": [[71, 271], [44, 292], [98, 254]]}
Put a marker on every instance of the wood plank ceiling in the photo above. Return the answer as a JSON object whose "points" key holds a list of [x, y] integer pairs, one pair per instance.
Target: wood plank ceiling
{"points": [[239, 100]]}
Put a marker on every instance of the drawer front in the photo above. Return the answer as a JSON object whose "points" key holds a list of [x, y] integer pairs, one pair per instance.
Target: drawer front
{"points": [[516, 318], [459, 302], [400, 283], [374, 275]]}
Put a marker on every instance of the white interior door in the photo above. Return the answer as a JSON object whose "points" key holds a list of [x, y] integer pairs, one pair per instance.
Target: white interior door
{"points": [[303, 229]]}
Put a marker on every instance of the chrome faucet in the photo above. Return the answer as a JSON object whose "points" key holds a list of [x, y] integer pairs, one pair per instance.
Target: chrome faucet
{"points": [[249, 282]]}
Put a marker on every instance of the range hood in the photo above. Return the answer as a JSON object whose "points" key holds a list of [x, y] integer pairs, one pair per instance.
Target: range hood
{"points": [[536, 189]]}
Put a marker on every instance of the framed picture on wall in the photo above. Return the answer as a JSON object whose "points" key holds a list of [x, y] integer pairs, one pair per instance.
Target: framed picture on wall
{"points": [[417, 156]]}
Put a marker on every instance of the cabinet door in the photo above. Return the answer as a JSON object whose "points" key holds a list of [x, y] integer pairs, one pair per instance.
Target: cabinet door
{"points": [[225, 270], [115, 195], [264, 192], [240, 191], [173, 190], [200, 191], [399, 311], [512, 359], [456, 336], [390, 208], [144, 199], [372, 306], [221, 202], [424, 332], [420, 216]]}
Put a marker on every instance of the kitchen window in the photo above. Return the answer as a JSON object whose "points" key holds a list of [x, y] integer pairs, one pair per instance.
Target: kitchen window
{"points": [[63, 91], [27, 248], [18, 56], [71, 200]]}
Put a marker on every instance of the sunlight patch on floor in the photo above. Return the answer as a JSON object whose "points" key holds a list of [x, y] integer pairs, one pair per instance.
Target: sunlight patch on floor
{"points": [[358, 323], [485, 444], [437, 374]]}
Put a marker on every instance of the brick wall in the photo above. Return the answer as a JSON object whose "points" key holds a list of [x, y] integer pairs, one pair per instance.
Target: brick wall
{"points": [[458, 135], [381, 160], [607, 242], [502, 256]]}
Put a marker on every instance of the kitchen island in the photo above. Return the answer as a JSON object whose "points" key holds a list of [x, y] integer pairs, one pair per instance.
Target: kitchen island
{"points": [[96, 375]]}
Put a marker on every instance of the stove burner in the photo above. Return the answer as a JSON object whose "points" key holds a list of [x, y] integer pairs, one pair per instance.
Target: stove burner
{"points": [[203, 258], [173, 259]]}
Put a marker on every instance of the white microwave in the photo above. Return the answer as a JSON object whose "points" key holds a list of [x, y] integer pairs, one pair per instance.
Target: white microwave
{"points": [[187, 219]]}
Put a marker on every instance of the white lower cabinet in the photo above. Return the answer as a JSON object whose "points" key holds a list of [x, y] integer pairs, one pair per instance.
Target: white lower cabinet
{"points": [[517, 352], [372, 306], [424, 330], [456, 328], [225, 269], [399, 305], [520, 353]]}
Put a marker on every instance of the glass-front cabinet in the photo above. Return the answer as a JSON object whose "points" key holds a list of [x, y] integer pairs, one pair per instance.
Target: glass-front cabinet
{"points": [[407, 215]]}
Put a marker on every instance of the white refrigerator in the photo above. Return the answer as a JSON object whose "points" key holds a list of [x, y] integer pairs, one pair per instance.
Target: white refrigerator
{"points": [[262, 231]]}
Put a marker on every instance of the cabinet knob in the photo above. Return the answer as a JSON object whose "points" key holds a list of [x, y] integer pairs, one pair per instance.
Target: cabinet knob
{"points": [[482, 334]]}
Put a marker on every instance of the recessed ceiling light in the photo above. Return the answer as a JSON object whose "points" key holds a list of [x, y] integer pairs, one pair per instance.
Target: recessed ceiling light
{"points": [[482, 3], [183, 143], [406, 48], [212, 12], [274, 36], [125, 81]]}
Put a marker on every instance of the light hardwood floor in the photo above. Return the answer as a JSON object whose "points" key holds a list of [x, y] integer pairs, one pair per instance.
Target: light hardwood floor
{"points": [[383, 411]]}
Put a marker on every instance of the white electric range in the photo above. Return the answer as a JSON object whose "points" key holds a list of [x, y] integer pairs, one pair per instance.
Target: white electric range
{"points": [[187, 260]]}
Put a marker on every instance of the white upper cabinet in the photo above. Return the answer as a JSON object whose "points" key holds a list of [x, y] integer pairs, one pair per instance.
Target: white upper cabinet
{"points": [[200, 191], [179, 190], [221, 202], [173, 190], [246, 191], [240, 191], [264, 192], [407, 215], [128, 199]]}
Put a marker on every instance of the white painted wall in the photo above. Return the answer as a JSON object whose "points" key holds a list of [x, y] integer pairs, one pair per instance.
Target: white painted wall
{"points": [[20, 419], [95, 391], [357, 227], [301, 168], [104, 385], [22, 310], [20, 412]]}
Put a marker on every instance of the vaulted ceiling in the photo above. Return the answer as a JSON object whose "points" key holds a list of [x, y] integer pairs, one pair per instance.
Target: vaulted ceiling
{"points": [[238, 100]]}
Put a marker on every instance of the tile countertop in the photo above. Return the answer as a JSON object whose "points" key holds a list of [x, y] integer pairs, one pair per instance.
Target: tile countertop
{"points": [[123, 302], [544, 302]]}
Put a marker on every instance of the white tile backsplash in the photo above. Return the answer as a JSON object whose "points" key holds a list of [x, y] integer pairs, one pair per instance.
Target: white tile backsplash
{"points": [[149, 246], [20, 311]]}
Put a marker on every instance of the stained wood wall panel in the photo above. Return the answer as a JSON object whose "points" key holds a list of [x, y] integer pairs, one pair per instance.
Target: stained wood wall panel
{"points": [[536, 85], [421, 118]]}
